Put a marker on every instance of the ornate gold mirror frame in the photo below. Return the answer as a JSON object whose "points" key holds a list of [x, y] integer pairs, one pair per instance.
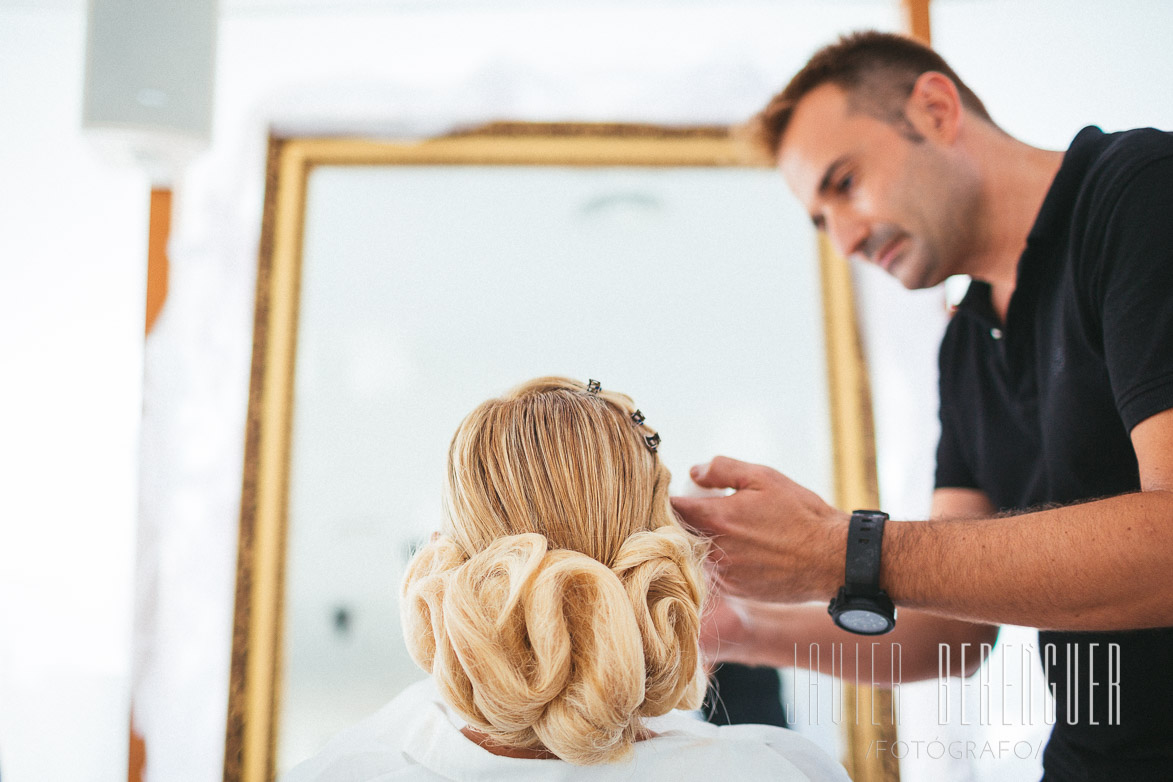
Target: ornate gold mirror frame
{"points": [[256, 668]]}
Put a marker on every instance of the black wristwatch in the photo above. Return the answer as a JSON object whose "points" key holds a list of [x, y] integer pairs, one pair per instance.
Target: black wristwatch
{"points": [[861, 606]]}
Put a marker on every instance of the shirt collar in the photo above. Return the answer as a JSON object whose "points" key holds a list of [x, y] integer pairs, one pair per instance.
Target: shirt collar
{"points": [[1055, 214], [1053, 218]]}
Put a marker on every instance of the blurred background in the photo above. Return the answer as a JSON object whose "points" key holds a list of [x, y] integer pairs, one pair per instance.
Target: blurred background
{"points": [[115, 449]]}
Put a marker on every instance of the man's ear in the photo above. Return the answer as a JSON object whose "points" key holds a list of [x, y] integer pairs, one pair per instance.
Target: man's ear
{"points": [[934, 107]]}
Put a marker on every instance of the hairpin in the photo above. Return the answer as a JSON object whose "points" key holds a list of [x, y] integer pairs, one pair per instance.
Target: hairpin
{"points": [[594, 386], [651, 440]]}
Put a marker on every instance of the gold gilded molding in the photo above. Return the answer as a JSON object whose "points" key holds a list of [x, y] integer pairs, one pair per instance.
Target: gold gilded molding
{"points": [[535, 144], [868, 711], [256, 651], [256, 668]]}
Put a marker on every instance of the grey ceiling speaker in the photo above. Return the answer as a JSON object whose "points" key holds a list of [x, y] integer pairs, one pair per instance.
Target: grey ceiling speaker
{"points": [[150, 67]]}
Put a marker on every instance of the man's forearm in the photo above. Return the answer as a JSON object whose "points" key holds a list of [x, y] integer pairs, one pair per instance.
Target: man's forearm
{"points": [[804, 636], [1102, 565]]}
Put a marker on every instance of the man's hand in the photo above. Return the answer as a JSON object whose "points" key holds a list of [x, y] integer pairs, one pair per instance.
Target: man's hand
{"points": [[773, 540], [725, 631]]}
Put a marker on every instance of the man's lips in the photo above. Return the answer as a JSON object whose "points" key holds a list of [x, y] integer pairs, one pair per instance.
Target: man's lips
{"points": [[885, 256]]}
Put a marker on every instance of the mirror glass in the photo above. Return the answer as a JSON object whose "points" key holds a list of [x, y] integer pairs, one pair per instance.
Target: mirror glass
{"points": [[426, 289]]}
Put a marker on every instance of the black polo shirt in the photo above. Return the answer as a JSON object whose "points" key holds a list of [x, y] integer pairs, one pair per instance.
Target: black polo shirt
{"points": [[1038, 411]]}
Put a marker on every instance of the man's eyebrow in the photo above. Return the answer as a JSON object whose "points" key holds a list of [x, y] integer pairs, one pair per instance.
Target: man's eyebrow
{"points": [[825, 182], [825, 185]]}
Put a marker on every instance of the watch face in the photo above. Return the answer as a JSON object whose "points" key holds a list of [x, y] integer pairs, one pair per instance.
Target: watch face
{"points": [[865, 622]]}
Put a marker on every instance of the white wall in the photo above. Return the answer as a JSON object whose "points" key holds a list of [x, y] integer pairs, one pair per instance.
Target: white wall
{"points": [[72, 280]]}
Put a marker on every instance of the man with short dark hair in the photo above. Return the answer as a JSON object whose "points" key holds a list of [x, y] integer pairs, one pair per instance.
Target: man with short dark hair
{"points": [[1056, 391]]}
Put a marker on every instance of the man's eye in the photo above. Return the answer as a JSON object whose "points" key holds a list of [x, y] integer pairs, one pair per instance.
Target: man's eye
{"points": [[844, 184]]}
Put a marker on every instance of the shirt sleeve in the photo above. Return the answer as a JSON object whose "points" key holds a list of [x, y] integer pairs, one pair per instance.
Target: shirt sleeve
{"points": [[953, 469], [1133, 290]]}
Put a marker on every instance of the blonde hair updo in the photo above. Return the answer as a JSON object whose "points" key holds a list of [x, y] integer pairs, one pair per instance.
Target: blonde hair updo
{"points": [[561, 604]]}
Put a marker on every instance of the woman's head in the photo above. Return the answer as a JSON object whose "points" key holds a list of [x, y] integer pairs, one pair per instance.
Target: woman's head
{"points": [[553, 458], [561, 603]]}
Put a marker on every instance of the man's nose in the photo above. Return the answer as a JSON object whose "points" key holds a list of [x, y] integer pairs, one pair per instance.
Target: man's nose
{"points": [[846, 231]]}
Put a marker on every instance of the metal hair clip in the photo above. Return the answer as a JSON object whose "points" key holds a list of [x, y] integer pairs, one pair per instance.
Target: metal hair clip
{"points": [[594, 386], [638, 418], [653, 440]]}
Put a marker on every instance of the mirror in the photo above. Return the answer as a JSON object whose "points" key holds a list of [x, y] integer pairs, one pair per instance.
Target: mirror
{"points": [[401, 284]]}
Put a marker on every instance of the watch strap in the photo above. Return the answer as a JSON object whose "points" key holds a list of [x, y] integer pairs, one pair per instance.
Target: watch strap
{"points": [[865, 535]]}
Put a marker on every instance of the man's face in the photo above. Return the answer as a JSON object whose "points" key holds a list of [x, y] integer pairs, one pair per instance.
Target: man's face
{"points": [[882, 191]]}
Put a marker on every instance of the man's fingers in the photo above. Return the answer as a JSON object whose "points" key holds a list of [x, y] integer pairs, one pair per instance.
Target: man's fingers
{"points": [[695, 512], [723, 473]]}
